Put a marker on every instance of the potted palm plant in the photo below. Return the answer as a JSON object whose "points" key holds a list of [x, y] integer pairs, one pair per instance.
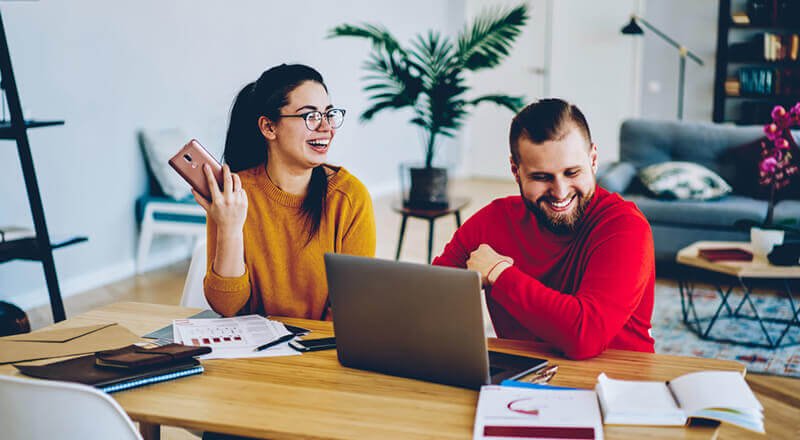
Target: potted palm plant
{"points": [[429, 77]]}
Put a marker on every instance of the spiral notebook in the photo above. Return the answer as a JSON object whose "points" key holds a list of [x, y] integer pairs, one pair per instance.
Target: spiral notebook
{"points": [[84, 370]]}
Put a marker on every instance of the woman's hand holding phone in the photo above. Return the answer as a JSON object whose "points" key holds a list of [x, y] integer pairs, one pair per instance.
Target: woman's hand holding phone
{"points": [[228, 207], [228, 210]]}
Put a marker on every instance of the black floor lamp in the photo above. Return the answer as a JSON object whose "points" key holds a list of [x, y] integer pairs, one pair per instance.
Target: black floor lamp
{"points": [[633, 28]]}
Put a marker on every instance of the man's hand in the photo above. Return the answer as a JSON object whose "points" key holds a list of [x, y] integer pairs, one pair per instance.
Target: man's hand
{"points": [[489, 263]]}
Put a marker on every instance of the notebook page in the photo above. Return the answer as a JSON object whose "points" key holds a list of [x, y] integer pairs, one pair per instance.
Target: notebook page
{"points": [[714, 389], [639, 396]]}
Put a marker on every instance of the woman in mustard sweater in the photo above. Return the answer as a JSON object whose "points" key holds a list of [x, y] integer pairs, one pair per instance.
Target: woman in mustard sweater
{"points": [[281, 207]]}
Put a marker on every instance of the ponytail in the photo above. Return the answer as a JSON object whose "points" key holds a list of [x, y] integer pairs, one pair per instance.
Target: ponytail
{"points": [[314, 204], [245, 145]]}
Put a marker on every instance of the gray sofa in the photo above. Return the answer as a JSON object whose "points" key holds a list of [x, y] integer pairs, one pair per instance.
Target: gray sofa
{"points": [[678, 223]]}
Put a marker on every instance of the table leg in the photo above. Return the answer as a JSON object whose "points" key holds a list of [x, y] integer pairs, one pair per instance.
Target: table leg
{"points": [[794, 322], [458, 219], [400, 240], [430, 240], [150, 431]]}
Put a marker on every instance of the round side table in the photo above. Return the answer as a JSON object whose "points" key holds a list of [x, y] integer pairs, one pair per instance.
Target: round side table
{"points": [[455, 207]]}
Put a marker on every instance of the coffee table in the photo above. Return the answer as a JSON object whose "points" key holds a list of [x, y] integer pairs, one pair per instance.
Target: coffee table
{"points": [[727, 276]]}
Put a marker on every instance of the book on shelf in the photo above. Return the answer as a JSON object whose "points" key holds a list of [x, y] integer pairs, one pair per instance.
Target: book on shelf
{"points": [[9, 233], [732, 87], [740, 18], [85, 370], [723, 396]]}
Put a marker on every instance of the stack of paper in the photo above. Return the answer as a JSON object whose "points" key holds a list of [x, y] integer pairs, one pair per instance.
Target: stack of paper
{"points": [[525, 413], [236, 337]]}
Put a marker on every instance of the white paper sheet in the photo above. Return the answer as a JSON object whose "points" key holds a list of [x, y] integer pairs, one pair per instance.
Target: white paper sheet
{"points": [[235, 337], [520, 413]]}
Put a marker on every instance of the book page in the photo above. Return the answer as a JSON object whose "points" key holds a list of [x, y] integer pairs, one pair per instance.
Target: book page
{"points": [[714, 389], [636, 394]]}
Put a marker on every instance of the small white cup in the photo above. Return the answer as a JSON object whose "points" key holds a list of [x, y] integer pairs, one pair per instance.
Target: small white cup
{"points": [[763, 240]]}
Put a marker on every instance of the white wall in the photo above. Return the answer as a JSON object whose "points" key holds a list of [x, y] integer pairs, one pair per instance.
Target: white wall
{"points": [[592, 66], [111, 68], [691, 23]]}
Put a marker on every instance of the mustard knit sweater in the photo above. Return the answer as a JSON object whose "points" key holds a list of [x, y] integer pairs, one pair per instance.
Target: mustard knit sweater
{"points": [[282, 276]]}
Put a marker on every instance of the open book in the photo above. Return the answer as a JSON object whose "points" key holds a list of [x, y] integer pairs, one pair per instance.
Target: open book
{"points": [[717, 395]]}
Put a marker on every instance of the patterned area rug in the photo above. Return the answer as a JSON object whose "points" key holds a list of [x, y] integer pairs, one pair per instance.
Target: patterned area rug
{"points": [[672, 336]]}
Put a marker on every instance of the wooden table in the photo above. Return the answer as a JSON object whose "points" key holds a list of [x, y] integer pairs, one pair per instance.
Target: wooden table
{"points": [[745, 276], [313, 397]]}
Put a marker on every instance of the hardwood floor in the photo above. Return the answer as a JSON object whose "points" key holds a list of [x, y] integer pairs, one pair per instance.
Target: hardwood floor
{"points": [[780, 396]]}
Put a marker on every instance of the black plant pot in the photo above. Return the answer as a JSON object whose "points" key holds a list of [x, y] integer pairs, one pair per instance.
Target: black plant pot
{"points": [[428, 188]]}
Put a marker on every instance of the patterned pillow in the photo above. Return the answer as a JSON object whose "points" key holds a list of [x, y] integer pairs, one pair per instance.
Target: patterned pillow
{"points": [[683, 181]]}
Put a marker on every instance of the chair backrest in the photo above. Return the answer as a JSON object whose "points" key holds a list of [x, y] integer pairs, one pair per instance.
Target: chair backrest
{"points": [[46, 409], [193, 293]]}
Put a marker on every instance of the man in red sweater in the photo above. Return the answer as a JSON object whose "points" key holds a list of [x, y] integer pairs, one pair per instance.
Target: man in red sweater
{"points": [[565, 262]]}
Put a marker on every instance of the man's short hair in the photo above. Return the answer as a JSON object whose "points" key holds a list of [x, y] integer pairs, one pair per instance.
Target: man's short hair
{"points": [[546, 120]]}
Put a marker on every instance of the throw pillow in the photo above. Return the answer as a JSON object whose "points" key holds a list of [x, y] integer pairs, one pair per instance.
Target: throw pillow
{"points": [[159, 146], [683, 181], [745, 160]]}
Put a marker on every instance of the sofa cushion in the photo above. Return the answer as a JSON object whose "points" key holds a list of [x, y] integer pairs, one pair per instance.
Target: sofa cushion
{"points": [[683, 181], [787, 212], [744, 161], [617, 177], [646, 142], [159, 146], [723, 212]]}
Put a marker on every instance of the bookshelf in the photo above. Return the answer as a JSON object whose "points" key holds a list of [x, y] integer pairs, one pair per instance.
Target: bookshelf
{"points": [[39, 248], [758, 65]]}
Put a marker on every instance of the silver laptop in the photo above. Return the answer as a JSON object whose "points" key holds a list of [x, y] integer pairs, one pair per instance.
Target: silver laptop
{"points": [[415, 320]]}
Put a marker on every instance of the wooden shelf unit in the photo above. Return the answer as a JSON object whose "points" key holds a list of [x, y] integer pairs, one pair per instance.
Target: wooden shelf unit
{"points": [[39, 248], [754, 108]]}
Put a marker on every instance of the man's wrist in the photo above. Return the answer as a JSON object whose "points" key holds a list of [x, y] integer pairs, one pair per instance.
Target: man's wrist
{"points": [[496, 270]]}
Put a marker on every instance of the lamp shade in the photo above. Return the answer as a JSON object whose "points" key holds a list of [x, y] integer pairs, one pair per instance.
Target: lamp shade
{"points": [[632, 28]]}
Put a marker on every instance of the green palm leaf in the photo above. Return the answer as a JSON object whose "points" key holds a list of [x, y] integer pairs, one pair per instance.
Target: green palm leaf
{"points": [[380, 37], [429, 75], [513, 103], [489, 39]]}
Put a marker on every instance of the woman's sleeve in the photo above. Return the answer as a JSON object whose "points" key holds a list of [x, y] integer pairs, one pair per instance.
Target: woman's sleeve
{"points": [[359, 237], [225, 295]]}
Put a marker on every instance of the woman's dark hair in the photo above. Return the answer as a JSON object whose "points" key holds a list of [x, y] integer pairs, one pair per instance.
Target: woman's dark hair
{"points": [[13, 320], [245, 146]]}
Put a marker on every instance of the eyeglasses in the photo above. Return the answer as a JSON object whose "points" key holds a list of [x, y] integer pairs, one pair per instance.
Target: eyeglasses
{"points": [[334, 116]]}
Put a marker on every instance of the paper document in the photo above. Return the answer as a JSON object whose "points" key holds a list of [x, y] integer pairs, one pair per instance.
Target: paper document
{"points": [[522, 413], [235, 337]]}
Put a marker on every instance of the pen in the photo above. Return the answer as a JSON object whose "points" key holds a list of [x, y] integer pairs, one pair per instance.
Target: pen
{"points": [[544, 375], [269, 344]]}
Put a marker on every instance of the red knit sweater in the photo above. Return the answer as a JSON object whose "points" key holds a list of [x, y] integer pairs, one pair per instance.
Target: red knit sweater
{"points": [[584, 292]]}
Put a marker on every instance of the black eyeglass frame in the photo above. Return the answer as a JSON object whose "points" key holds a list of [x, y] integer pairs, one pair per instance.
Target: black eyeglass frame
{"points": [[327, 113]]}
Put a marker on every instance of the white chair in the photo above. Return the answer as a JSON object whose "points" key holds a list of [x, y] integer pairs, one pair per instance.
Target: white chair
{"points": [[161, 215], [45, 409], [193, 293]]}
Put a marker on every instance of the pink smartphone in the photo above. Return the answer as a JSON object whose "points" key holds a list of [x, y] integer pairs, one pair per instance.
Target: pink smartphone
{"points": [[189, 161]]}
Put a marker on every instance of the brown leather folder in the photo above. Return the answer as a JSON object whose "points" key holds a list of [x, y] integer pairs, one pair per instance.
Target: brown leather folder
{"points": [[134, 357], [84, 370], [64, 342]]}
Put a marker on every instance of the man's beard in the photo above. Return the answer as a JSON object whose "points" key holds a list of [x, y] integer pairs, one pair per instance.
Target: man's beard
{"points": [[560, 224]]}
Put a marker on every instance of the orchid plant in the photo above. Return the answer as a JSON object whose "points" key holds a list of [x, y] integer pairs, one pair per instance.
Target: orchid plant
{"points": [[776, 167]]}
